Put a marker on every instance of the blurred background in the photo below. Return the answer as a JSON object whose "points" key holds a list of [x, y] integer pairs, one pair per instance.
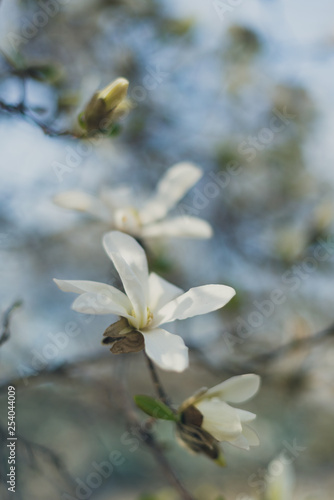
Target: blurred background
{"points": [[242, 89]]}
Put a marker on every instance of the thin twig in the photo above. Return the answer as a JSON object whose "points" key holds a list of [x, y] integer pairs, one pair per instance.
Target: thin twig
{"points": [[56, 372], [260, 361], [294, 345], [46, 454], [150, 441], [156, 382], [22, 110], [5, 334], [164, 464]]}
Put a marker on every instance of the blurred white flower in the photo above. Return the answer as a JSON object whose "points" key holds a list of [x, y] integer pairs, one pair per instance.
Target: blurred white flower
{"points": [[279, 480], [209, 410], [148, 302], [118, 207]]}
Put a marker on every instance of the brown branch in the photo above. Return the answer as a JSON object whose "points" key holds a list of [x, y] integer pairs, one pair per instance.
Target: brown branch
{"points": [[150, 441], [22, 110], [156, 382], [60, 371], [259, 362], [295, 344], [46, 453], [5, 334]]}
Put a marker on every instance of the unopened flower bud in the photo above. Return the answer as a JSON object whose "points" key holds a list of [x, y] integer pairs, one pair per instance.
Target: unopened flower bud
{"points": [[106, 106]]}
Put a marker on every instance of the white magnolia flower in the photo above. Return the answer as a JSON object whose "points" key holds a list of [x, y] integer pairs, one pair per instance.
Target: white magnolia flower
{"points": [[148, 302], [278, 483], [119, 209], [220, 420], [279, 480]]}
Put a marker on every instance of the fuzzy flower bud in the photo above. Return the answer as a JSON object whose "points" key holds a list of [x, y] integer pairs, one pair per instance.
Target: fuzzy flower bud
{"points": [[106, 106]]}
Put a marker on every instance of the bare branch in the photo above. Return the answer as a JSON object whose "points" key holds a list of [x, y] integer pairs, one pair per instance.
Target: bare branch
{"points": [[22, 110], [5, 334], [150, 441], [157, 383]]}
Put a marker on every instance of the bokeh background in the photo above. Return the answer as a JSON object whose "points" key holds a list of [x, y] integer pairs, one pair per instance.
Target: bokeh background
{"points": [[218, 83]]}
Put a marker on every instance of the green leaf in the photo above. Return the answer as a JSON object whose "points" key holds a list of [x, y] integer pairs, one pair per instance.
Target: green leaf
{"points": [[154, 408]]}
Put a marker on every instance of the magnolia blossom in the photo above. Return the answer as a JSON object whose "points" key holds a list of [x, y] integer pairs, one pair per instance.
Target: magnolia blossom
{"points": [[148, 302], [209, 410], [278, 482], [119, 209], [106, 106], [279, 479]]}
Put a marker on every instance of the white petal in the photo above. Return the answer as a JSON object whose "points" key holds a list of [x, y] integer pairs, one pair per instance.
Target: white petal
{"points": [[130, 262], [250, 435], [172, 187], [83, 202], [236, 389], [161, 292], [118, 197], [95, 303], [246, 439], [240, 442], [220, 419], [179, 227], [245, 416], [168, 351], [79, 286], [199, 300]]}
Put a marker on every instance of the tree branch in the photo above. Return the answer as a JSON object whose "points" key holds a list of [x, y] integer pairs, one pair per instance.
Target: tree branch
{"points": [[5, 334], [156, 382], [150, 441], [22, 110], [295, 344]]}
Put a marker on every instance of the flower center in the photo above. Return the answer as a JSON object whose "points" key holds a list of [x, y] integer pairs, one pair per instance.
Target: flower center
{"points": [[142, 321], [128, 220]]}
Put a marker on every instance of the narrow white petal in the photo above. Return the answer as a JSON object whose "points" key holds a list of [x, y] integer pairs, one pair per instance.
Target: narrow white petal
{"points": [[161, 292], [220, 419], [247, 439], [80, 286], [172, 187], [196, 301], [130, 262], [83, 202], [245, 416], [240, 442], [178, 227], [95, 303], [250, 435], [118, 197], [132, 253], [168, 351], [236, 389]]}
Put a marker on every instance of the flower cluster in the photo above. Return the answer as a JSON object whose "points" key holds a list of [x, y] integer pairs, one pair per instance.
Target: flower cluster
{"points": [[149, 301]]}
